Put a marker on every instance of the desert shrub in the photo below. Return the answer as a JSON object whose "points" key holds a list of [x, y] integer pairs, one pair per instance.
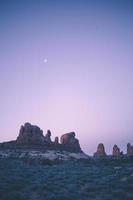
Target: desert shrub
{"points": [[66, 180], [14, 195]]}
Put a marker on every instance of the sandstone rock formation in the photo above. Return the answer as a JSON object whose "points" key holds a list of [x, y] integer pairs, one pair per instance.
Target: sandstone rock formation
{"points": [[56, 140], [129, 149], [116, 151], [48, 136], [100, 150], [69, 142], [67, 138], [30, 134]]}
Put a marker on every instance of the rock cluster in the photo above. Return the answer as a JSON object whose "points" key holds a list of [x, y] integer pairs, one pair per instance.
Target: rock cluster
{"points": [[129, 149], [100, 150], [32, 135]]}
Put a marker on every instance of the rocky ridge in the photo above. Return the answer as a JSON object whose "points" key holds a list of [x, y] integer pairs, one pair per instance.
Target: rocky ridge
{"points": [[32, 144]]}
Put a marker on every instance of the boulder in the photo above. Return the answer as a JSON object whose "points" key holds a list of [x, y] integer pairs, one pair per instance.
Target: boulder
{"points": [[70, 143], [100, 150]]}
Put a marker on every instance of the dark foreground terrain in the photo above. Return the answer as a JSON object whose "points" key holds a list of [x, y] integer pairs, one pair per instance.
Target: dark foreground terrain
{"points": [[94, 179]]}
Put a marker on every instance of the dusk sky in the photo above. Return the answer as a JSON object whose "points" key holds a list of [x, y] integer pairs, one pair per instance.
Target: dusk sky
{"points": [[67, 65]]}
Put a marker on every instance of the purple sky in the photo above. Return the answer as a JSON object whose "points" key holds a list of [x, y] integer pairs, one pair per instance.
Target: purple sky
{"points": [[87, 84]]}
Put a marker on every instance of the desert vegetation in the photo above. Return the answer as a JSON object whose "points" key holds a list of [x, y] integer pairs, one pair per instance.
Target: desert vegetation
{"points": [[95, 179]]}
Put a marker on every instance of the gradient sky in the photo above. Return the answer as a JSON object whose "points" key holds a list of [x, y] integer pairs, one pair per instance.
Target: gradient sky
{"points": [[87, 84]]}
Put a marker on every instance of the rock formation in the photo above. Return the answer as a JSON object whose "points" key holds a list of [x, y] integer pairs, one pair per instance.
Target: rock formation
{"points": [[48, 136], [100, 150], [116, 151], [31, 138], [129, 149], [56, 140], [69, 142], [30, 134]]}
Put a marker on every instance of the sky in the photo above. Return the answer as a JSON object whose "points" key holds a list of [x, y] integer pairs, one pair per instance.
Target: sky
{"points": [[67, 65]]}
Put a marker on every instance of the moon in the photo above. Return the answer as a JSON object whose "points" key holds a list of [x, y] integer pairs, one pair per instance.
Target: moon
{"points": [[45, 60]]}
